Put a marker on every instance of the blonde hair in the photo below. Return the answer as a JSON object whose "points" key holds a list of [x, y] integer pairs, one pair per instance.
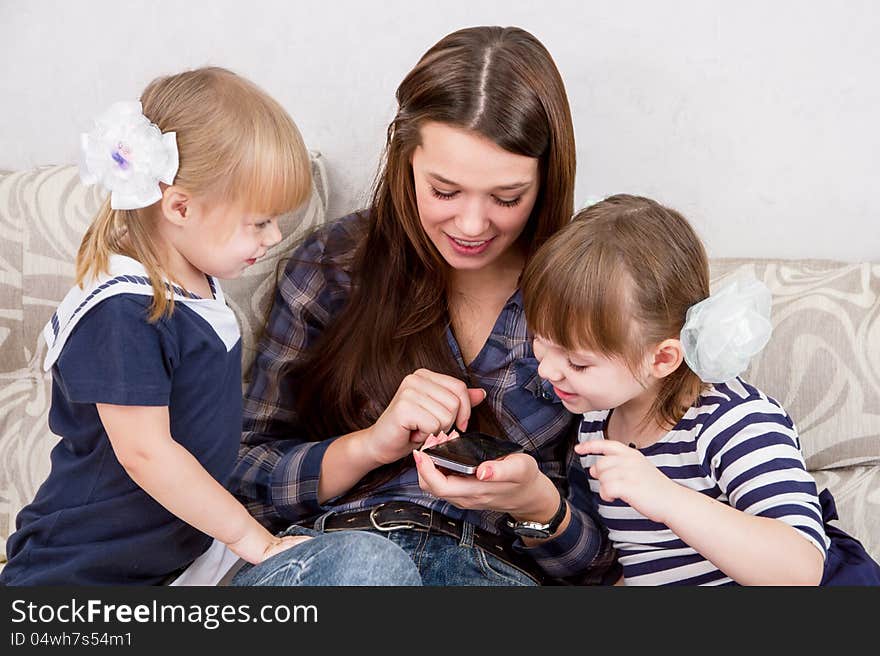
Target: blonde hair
{"points": [[235, 144], [619, 279]]}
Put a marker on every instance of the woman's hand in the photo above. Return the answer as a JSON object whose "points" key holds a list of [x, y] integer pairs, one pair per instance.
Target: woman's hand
{"points": [[513, 484], [426, 403], [624, 473]]}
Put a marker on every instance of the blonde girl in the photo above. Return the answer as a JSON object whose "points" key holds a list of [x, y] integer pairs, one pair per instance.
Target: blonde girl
{"points": [[144, 352]]}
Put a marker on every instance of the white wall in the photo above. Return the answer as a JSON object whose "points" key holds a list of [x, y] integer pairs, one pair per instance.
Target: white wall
{"points": [[757, 119]]}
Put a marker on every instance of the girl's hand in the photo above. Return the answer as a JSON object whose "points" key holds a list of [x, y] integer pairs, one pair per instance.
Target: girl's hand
{"points": [[425, 404], [257, 544], [513, 484], [624, 473], [277, 545]]}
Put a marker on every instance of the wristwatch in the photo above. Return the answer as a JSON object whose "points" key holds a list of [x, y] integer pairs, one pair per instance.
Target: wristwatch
{"points": [[527, 529]]}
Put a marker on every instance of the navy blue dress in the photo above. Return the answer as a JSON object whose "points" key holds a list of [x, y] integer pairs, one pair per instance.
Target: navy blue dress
{"points": [[847, 561], [90, 523]]}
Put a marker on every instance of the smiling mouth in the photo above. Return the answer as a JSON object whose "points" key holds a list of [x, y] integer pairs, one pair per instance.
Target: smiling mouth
{"points": [[470, 244], [470, 247], [563, 395]]}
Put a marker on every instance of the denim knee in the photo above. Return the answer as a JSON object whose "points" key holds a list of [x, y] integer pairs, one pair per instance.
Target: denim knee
{"points": [[337, 558]]}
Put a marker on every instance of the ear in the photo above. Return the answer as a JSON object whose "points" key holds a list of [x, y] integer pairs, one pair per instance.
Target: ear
{"points": [[175, 204], [667, 356]]}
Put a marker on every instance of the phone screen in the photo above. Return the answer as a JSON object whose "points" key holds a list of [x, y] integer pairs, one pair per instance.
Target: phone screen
{"points": [[470, 449]]}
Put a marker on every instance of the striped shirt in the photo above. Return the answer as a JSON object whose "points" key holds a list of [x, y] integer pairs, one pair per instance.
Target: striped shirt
{"points": [[736, 445], [278, 469]]}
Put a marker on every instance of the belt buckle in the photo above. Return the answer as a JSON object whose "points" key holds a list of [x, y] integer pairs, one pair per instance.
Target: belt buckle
{"points": [[387, 529]]}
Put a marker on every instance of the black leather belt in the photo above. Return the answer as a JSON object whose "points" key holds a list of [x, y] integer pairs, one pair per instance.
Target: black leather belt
{"points": [[403, 515]]}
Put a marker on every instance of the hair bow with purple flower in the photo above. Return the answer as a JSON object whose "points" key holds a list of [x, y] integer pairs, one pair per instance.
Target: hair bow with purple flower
{"points": [[129, 156]]}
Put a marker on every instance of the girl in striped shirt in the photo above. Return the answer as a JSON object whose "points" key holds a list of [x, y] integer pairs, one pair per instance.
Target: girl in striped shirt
{"points": [[698, 476]]}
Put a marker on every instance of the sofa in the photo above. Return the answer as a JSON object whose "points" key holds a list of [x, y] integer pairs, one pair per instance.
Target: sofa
{"points": [[822, 363]]}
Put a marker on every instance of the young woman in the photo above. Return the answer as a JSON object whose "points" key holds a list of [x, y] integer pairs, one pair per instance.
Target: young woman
{"points": [[404, 320]]}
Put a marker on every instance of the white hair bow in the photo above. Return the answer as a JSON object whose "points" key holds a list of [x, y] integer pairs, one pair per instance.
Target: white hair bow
{"points": [[723, 332], [129, 156]]}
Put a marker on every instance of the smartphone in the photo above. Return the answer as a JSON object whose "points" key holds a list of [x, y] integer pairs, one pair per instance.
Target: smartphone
{"points": [[464, 453]]}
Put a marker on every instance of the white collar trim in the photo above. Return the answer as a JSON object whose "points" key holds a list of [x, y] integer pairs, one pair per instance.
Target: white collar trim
{"points": [[128, 276]]}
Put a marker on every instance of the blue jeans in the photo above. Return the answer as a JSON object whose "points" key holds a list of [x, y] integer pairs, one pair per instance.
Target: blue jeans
{"points": [[398, 558]]}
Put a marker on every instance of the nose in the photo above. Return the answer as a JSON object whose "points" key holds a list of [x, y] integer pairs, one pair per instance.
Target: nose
{"points": [[473, 220], [550, 368], [272, 236]]}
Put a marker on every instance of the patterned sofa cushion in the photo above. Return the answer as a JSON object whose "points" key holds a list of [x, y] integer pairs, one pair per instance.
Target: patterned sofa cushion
{"points": [[43, 214], [823, 360]]}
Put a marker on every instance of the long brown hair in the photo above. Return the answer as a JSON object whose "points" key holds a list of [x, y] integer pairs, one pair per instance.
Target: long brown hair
{"points": [[502, 84], [619, 279], [235, 144]]}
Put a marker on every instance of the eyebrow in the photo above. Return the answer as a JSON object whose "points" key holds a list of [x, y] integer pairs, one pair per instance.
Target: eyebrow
{"points": [[508, 187]]}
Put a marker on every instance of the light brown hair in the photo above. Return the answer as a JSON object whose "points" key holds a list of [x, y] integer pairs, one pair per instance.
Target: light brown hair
{"points": [[619, 280], [499, 83], [235, 144]]}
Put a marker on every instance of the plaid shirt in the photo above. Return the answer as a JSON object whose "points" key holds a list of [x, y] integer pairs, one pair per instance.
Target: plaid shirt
{"points": [[278, 469]]}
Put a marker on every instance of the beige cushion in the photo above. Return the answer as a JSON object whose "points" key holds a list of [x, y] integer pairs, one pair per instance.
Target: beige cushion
{"points": [[823, 360], [43, 214]]}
